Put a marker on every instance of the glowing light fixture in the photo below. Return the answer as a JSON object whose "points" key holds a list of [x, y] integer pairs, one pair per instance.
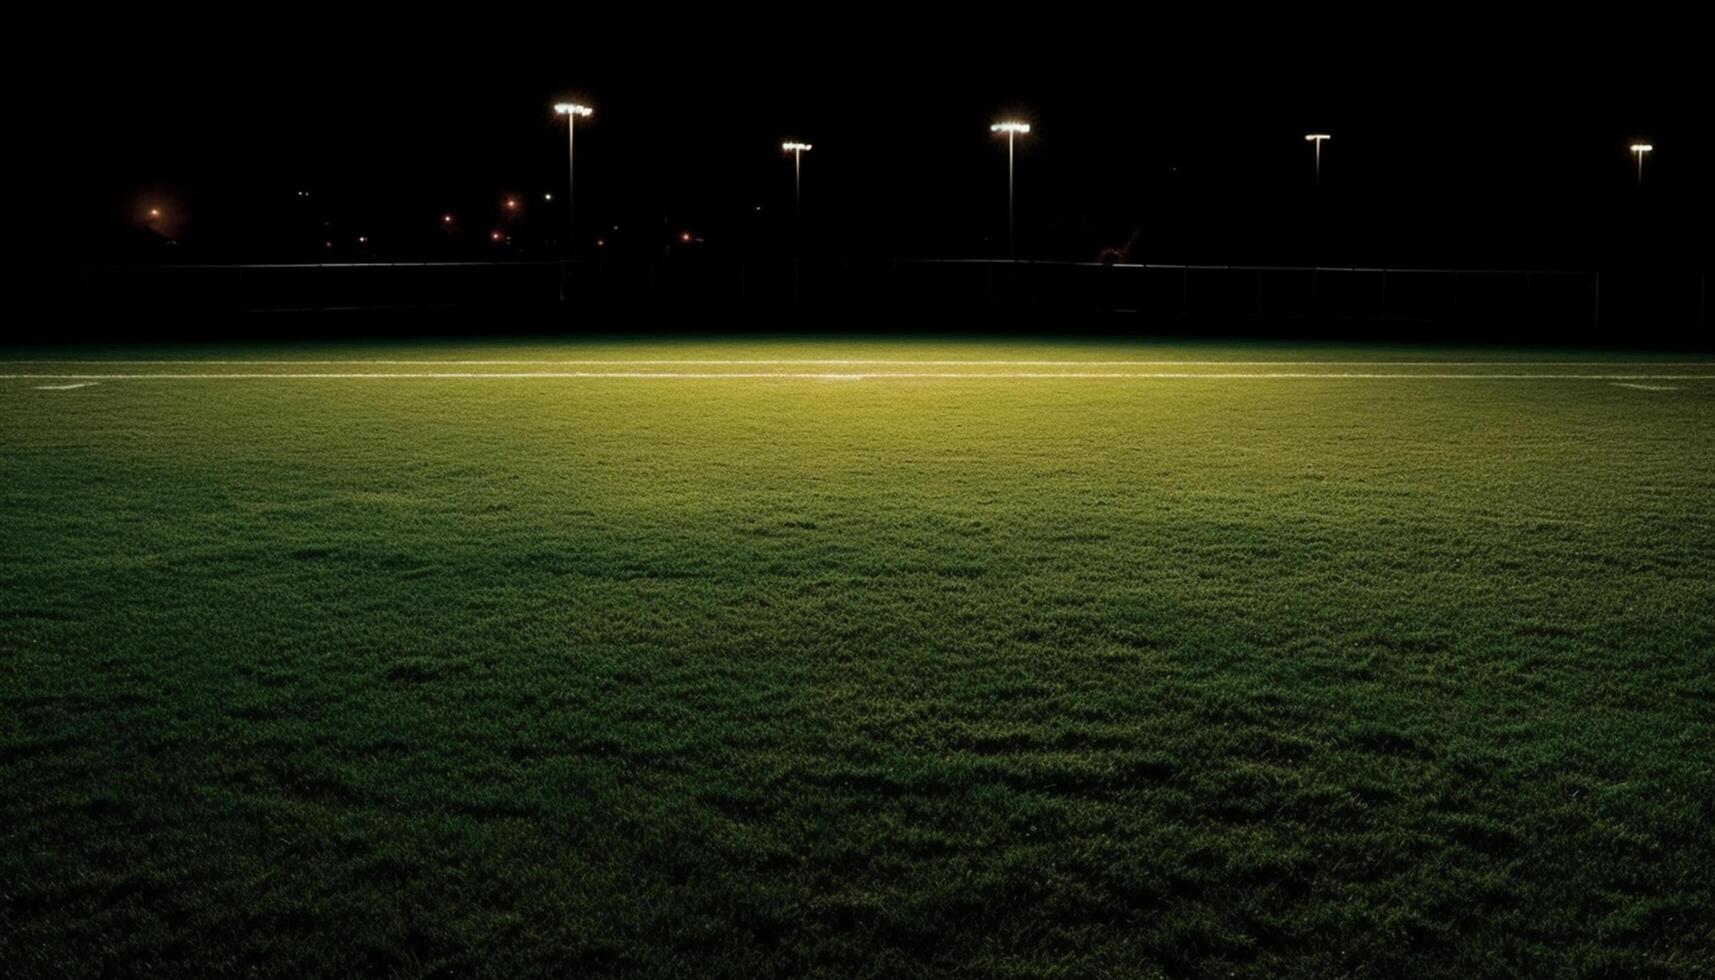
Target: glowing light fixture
{"points": [[1318, 139], [1013, 129], [1639, 149], [797, 150], [572, 111]]}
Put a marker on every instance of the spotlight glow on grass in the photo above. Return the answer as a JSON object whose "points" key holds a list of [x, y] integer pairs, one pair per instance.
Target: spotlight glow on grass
{"points": [[1329, 661]]}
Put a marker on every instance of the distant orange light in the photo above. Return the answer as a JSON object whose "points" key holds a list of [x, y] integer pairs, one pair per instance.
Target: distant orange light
{"points": [[494, 235], [446, 219], [512, 204], [684, 236], [154, 212], [601, 243]]}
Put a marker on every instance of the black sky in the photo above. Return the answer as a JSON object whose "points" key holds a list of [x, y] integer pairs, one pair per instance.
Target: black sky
{"points": [[1460, 137]]}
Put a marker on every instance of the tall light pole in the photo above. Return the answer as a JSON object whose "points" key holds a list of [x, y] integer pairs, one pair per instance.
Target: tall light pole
{"points": [[571, 110], [1012, 130], [797, 150], [1639, 149], [1317, 139]]}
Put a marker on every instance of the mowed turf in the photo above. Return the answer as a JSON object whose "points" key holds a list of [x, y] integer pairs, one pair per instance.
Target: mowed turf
{"points": [[835, 671]]}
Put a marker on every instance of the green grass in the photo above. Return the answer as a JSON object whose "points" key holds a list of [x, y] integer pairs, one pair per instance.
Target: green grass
{"points": [[900, 676]]}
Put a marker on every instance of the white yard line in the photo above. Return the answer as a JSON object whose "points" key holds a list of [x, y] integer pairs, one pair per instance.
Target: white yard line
{"points": [[80, 384], [851, 376], [1622, 384], [834, 361]]}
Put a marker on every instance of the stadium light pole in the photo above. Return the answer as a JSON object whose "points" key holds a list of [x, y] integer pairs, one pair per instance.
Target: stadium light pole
{"points": [[1638, 150], [1317, 139], [1012, 130], [571, 110], [797, 150]]}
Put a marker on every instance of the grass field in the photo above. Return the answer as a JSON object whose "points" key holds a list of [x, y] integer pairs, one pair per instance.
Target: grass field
{"points": [[856, 658]]}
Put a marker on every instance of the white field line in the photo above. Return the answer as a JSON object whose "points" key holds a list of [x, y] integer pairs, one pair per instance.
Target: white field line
{"points": [[80, 384], [885, 362], [1622, 384], [852, 376]]}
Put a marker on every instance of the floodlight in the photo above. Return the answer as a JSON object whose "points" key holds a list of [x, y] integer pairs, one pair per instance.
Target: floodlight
{"points": [[571, 110]]}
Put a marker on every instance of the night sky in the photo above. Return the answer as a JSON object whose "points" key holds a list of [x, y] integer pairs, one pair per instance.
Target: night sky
{"points": [[1456, 141]]}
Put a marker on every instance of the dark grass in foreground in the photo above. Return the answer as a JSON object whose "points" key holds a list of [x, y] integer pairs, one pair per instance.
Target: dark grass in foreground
{"points": [[1022, 677]]}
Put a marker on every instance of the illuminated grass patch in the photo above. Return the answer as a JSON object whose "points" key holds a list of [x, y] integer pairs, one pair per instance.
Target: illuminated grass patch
{"points": [[1047, 677]]}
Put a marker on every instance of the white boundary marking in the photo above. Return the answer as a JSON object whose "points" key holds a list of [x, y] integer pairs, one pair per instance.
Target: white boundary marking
{"points": [[80, 384], [852, 376], [740, 362]]}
